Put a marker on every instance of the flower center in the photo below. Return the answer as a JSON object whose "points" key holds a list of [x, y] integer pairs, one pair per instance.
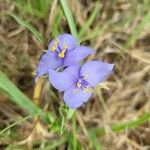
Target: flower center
{"points": [[62, 53], [82, 84]]}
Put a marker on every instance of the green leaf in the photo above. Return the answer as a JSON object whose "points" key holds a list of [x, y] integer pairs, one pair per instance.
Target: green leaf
{"points": [[16, 95], [69, 17], [29, 27]]}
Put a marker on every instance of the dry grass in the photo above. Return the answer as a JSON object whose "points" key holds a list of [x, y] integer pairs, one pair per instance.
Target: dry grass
{"points": [[128, 96]]}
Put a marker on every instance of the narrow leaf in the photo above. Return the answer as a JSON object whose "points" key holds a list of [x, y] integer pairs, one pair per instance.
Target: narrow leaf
{"points": [[145, 21], [29, 27], [69, 17], [16, 95], [89, 21]]}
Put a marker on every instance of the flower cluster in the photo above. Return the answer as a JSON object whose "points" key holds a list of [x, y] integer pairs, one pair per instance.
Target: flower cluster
{"points": [[75, 81]]}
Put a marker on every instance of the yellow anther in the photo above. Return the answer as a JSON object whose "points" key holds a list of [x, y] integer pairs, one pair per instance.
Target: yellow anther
{"points": [[75, 91], [55, 44], [87, 89], [53, 49], [78, 84], [62, 53], [65, 46]]}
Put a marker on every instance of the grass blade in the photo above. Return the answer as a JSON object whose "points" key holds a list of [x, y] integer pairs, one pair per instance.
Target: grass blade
{"points": [[16, 95], [121, 126], [69, 17], [96, 144], [90, 36], [89, 21], [145, 21], [29, 27], [57, 22], [18, 122]]}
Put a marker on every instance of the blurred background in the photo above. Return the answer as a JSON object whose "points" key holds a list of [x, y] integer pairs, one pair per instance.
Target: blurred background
{"points": [[119, 31]]}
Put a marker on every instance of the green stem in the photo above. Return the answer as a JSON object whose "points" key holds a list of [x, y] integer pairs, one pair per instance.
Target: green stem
{"points": [[74, 132]]}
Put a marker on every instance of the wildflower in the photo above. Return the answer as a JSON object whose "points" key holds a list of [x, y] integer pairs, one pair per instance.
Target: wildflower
{"points": [[77, 81], [62, 52]]}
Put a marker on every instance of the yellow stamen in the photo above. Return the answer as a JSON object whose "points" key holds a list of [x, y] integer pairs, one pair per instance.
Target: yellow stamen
{"points": [[53, 49], [55, 44], [62, 53], [78, 84], [87, 89], [75, 91], [65, 46]]}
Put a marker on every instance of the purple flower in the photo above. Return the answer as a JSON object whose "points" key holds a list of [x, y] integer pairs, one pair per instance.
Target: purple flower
{"points": [[77, 81], [62, 51]]}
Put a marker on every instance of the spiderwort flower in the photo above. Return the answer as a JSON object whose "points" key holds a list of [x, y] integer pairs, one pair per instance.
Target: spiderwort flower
{"points": [[63, 51], [77, 81]]}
